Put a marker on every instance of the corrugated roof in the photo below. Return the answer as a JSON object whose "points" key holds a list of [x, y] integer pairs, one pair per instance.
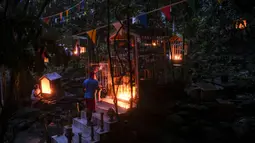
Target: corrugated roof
{"points": [[52, 76]]}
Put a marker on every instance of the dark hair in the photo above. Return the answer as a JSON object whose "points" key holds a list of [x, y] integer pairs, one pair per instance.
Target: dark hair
{"points": [[92, 74], [36, 86]]}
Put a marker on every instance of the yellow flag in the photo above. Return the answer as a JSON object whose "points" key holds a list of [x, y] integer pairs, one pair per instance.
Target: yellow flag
{"points": [[67, 12], [92, 35]]}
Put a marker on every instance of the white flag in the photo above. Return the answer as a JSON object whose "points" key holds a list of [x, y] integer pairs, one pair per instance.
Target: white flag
{"points": [[134, 20]]}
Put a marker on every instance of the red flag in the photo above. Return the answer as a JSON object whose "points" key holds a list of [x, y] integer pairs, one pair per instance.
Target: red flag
{"points": [[61, 16], [47, 20], [117, 26], [78, 7], [166, 12]]}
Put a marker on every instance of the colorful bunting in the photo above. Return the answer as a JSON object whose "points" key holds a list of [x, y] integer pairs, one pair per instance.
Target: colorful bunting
{"points": [[142, 18], [92, 35], [166, 11], [66, 13]]}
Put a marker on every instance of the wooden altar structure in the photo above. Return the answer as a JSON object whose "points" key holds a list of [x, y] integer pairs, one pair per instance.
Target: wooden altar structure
{"points": [[147, 46]]}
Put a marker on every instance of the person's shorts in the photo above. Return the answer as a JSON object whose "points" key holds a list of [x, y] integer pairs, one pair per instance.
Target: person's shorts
{"points": [[90, 104]]}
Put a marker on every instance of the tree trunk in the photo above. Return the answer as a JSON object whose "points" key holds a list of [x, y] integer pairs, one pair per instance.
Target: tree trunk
{"points": [[10, 105]]}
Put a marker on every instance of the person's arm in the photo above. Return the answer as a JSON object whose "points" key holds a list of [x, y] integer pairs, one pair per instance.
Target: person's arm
{"points": [[97, 86], [84, 85]]}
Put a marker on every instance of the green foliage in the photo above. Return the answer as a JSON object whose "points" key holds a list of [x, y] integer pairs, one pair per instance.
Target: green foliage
{"points": [[213, 27], [20, 32]]}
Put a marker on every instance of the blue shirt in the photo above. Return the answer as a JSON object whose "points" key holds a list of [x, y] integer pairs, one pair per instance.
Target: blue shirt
{"points": [[90, 85]]}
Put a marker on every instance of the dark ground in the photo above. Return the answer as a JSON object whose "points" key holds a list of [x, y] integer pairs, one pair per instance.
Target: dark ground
{"points": [[167, 114]]}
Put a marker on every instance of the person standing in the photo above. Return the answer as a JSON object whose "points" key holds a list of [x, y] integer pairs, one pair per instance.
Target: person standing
{"points": [[35, 95], [90, 86]]}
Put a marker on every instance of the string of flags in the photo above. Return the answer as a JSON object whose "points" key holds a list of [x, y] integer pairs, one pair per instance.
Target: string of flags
{"points": [[141, 18], [78, 10]]}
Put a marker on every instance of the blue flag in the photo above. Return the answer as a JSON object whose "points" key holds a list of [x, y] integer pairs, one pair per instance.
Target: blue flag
{"points": [[82, 5], [143, 20]]}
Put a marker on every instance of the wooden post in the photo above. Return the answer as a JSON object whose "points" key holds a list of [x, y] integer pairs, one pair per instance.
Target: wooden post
{"points": [[102, 122], [129, 58], [59, 127], [137, 78], [80, 137], [78, 110], [183, 46], [92, 133], [69, 118], [69, 134], [165, 63], [46, 133]]}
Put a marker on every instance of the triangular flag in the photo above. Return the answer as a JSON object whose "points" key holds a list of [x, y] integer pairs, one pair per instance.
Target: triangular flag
{"points": [[117, 26], [67, 11], [92, 35], [166, 12], [82, 5], [134, 20], [61, 16], [46, 20], [78, 7], [143, 20]]}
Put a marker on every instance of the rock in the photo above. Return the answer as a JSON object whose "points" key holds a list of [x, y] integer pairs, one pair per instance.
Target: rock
{"points": [[241, 127], [184, 130], [26, 113], [194, 93], [193, 107], [174, 121], [183, 113], [226, 109], [212, 134]]}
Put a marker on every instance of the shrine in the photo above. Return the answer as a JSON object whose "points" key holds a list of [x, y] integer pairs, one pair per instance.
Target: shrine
{"points": [[148, 52]]}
